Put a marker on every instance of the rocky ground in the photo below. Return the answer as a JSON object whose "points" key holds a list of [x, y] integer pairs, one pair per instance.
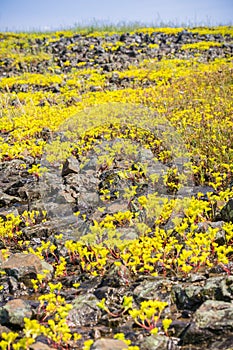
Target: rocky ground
{"points": [[199, 304], [115, 53]]}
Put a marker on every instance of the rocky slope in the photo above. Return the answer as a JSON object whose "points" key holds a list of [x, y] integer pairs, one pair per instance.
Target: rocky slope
{"points": [[199, 302]]}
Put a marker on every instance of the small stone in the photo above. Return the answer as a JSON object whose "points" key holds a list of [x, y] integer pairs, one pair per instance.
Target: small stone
{"points": [[89, 198], [22, 266], [109, 344], [205, 192], [70, 166], [213, 317], [48, 267], [14, 312], [225, 344], [95, 88], [13, 284], [127, 233], [58, 210], [114, 78], [4, 329], [1, 257], [40, 346], [117, 206], [6, 199], [188, 297], [197, 277], [227, 211], [158, 342], [191, 296], [85, 312], [159, 289]]}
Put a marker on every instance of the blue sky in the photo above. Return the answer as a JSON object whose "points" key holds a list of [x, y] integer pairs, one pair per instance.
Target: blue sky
{"points": [[54, 14]]}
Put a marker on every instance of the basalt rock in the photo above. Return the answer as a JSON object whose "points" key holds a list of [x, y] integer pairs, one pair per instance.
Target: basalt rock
{"points": [[70, 166], [134, 48], [211, 320], [109, 344], [85, 311], [159, 342], [40, 346], [227, 211], [191, 296], [24, 267], [157, 288], [14, 312]]}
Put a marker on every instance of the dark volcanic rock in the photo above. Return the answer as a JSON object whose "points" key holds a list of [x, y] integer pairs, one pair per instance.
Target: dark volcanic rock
{"points": [[109, 344], [40, 346], [70, 166], [24, 267], [213, 318], [227, 211], [14, 312], [221, 344], [85, 311], [90, 50], [159, 288], [159, 342], [6, 200], [190, 296]]}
